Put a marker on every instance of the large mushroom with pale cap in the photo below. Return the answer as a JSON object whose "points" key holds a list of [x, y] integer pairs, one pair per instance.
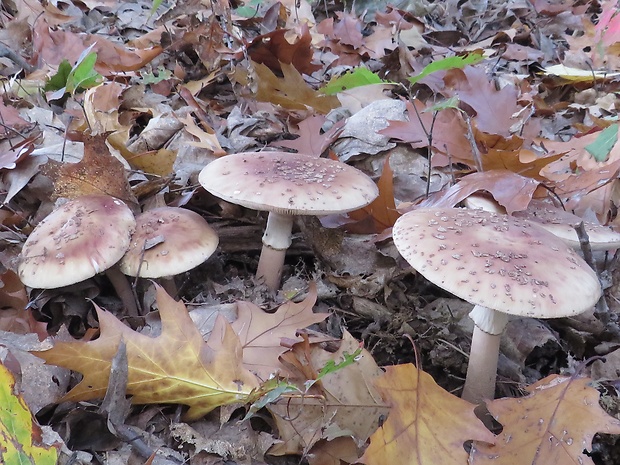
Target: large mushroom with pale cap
{"points": [[83, 237], [285, 185], [503, 265], [168, 241]]}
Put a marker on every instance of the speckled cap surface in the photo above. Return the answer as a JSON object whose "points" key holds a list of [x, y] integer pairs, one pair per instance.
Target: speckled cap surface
{"points": [[288, 183], [168, 241], [497, 261], [562, 224], [78, 240]]}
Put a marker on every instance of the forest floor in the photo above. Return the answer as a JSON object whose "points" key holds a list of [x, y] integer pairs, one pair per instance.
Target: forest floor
{"points": [[517, 100]]}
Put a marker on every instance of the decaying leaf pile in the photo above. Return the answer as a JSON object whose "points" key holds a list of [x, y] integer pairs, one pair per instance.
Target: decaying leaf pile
{"points": [[436, 101]]}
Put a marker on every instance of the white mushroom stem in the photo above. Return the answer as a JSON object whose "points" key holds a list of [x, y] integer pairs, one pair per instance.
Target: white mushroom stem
{"points": [[482, 367], [276, 241]]}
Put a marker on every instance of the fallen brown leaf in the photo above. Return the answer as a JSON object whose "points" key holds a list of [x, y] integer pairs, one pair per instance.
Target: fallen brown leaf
{"points": [[291, 91], [342, 404], [97, 173], [262, 333], [426, 424], [554, 424]]}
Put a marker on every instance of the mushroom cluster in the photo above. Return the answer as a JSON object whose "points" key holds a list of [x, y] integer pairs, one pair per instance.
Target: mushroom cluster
{"points": [[91, 234], [285, 185], [503, 265]]}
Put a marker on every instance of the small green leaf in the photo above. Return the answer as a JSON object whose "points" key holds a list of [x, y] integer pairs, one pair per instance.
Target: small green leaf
{"points": [[152, 78], [249, 9], [274, 389], [83, 74], [59, 80], [156, 4], [69, 79], [18, 432], [360, 77], [455, 62], [604, 143], [331, 366], [452, 102]]}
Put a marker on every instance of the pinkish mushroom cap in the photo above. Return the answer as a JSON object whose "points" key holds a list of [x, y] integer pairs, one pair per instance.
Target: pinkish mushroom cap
{"points": [[78, 240], [168, 241], [502, 264], [288, 183], [555, 220], [562, 224], [496, 261]]}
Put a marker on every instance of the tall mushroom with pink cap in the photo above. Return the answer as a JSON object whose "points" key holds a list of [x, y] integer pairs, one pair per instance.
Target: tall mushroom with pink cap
{"points": [[503, 265], [285, 185]]}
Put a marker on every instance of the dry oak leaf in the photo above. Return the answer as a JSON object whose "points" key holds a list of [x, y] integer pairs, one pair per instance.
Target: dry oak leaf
{"points": [[261, 333], [97, 173], [508, 153], [450, 141], [291, 91], [495, 109], [426, 425], [555, 424], [343, 404], [177, 366]]}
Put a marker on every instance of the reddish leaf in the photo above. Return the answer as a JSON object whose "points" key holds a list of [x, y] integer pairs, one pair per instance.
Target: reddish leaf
{"points": [[512, 191], [274, 48], [311, 140], [450, 143], [12, 156], [57, 45], [383, 209], [494, 108], [10, 119]]}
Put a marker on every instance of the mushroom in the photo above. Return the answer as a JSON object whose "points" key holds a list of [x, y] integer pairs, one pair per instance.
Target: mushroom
{"points": [[168, 241], [286, 184], [562, 224], [555, 220], [81, 238], [501, 264]]}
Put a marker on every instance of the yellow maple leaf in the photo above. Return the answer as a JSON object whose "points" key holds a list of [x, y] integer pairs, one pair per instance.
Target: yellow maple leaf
{"points": [[291, 91], [177, 366]]}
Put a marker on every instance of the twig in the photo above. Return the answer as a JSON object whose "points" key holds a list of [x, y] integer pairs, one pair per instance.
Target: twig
{"points": [[472, 142], [6, 52], [601, 309]]}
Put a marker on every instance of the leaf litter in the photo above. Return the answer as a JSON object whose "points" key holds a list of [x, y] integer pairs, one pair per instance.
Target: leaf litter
{"points": [[99, 99]]}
